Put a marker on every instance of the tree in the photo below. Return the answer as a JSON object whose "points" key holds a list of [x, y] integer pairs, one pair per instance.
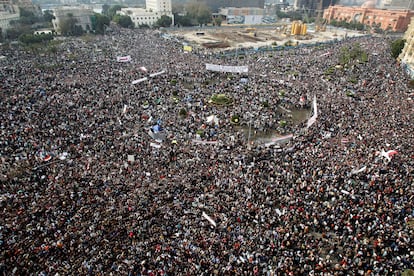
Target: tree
{"points": [[164, 21], [396, 47], [124, 21], [35, 38], [27, 17], [105, 9], [199, 12], [112, 11], [177, 8], [218, 20], [48, 16], [99, 23], [16, 31], [68, 26], [183, 20], [350, 55], [204, 16]]}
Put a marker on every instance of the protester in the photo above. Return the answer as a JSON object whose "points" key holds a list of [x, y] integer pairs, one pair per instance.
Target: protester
{"points": [[86, 190]]}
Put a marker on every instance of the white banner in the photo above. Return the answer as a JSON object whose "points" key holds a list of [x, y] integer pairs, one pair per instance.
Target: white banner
{"points": [[145, 78], [312, 119], [227, 69], [123, 59]]}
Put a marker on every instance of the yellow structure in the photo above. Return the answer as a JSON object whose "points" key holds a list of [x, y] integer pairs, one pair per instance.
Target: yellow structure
{"points": [[187, 48], [298, 28]]}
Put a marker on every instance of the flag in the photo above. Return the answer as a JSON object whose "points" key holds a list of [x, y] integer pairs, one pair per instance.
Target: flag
{"points": [[388, 154], [207, 217], [48, 157]]}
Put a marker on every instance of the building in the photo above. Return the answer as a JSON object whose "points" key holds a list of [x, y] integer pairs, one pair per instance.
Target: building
{"points": [[153, 11], [10, 11], [216, 5], [312, 6], [160, 6], [82, 15], [397, 4], [242, 15], [407, 54], [5, 19], [392, 20]]}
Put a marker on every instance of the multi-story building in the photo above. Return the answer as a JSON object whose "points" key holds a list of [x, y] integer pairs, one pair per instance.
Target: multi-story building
{"points": [[5, 20], [153, 11], [82, 15], [393, 20], [407, 54], [215, 5], [313, 6], [242, 15], [10, 11], [160, 6]]}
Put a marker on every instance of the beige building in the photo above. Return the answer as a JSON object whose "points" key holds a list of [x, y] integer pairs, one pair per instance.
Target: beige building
{"points": [[5, 20], [81, 14], [407, 54]]}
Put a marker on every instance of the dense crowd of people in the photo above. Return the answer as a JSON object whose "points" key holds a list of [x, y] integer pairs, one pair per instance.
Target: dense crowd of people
{"points": [[85, 190]]}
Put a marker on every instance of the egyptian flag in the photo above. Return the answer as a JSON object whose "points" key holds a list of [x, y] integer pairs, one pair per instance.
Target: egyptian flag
{"points": [[47, 157]]}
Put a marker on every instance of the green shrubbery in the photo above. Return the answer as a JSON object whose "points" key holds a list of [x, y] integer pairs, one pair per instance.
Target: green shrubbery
{"points": [[353, 54], [221, 99], [235, 119], [35, 38]]}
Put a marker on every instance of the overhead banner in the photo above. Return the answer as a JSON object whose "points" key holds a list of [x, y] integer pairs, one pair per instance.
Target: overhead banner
{"points": [[227, 69], [123, 59]]}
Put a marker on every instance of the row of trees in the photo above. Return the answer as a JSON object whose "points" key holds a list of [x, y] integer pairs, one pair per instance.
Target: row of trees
{"points": [[27, 20], [354, 25]]}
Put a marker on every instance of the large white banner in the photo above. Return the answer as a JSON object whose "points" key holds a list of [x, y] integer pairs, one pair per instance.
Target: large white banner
{"points": [[225, 68]]}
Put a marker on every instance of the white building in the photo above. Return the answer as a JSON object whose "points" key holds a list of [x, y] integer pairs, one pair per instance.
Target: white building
{"points": [[153, 11], [81, 14], [248, 16], [161, 6]]}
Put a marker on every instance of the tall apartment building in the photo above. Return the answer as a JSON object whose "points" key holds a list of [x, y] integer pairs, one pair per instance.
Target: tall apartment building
{"points": [[407, 54]]}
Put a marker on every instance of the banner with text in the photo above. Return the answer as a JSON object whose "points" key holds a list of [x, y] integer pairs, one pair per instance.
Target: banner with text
{"points": [[123, 59], [227, 69]]}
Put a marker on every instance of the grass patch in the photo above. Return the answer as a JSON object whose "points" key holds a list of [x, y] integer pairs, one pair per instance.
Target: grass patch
{"points": [[220, 99]]}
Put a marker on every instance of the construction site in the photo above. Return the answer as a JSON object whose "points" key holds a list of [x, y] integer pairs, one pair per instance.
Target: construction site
{"points": [[282, 34]]}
